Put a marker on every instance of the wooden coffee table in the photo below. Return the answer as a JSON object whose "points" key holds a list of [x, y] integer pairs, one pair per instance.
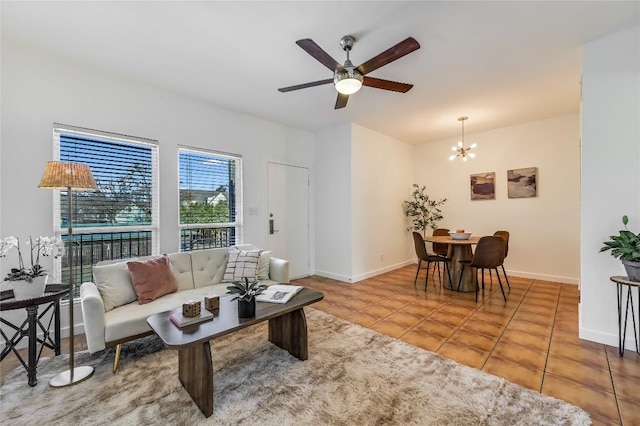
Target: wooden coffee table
{"points": [[287, 329]]}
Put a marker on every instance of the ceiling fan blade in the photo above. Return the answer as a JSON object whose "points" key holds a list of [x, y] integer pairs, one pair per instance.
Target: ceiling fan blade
{"points": [[396, 52], [305, 85], [341, 101], [387, 84], [316, 51]]}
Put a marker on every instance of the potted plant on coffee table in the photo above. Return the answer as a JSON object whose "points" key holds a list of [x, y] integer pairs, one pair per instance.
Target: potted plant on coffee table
{"points": [[626, 247], [246, 293]]}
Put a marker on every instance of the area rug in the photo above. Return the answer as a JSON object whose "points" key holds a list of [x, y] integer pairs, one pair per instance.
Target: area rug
{"points": [[354, 376]]}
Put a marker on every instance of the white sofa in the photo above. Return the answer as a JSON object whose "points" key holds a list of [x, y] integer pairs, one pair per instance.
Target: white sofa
{"points": [[111, 318]]}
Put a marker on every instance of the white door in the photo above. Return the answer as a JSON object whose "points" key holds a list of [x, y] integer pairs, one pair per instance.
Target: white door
{"points": [[288, 216]]}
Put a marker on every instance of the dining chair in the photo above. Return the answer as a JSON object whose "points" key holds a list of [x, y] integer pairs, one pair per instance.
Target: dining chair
{"points": [[505, 236], [441, 249], [423, 255], [489, 254]]}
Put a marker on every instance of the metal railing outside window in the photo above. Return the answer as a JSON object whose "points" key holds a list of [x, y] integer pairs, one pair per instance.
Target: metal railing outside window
{"points": [[204, 238], [89, 249]]}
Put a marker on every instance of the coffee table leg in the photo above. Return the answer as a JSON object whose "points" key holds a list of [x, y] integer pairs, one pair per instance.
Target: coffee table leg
{"points": [[289, 331], [195, 370]]}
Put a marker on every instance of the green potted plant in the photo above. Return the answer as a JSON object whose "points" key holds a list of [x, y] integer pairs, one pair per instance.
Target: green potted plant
{"points": [[423, 211], [626, 247], [246, 293]]}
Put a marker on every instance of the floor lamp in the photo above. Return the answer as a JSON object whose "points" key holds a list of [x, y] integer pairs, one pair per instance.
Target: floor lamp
{"points": [[69, 177]]}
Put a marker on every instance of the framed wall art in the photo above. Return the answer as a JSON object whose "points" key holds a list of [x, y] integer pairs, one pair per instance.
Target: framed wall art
{"points": [[522, 183], [483, 186]]}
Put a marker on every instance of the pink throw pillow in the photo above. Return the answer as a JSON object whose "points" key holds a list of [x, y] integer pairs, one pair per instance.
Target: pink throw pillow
{"points": [[152, 278]]}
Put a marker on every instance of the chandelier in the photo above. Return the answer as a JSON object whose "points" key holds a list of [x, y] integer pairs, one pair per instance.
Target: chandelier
{"points": [[460, 150]]}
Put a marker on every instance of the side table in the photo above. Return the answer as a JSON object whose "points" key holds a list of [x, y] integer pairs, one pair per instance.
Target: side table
{"points": [[621, 282], [30, 327]]}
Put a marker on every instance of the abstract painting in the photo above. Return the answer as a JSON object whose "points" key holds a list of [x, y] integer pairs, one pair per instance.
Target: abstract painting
{"points": [[483, 186], [522, 183]]}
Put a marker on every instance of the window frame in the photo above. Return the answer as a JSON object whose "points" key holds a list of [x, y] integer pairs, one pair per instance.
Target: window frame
{"points": [[154, 227], [238, 224]]}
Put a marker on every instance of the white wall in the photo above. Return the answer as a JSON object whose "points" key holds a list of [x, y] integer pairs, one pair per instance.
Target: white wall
{"points": [[610, 173], [381, 178], [544, 230], [39, 89], [333, 203]]}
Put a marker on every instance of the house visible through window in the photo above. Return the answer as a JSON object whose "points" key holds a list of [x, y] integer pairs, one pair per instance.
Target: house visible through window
{"points": [[120, 219], [210, 199]]}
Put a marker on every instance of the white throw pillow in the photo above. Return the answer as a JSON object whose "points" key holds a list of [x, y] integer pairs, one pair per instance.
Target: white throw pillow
{"points": [[114, 284], [263, 265], [241, 264]]}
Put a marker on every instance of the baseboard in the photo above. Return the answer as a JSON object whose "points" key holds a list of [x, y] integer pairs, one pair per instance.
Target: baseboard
{"points": [[543, 277], [380, 271], [604, 338], [333, 276], [608, 339], [361, 277]]}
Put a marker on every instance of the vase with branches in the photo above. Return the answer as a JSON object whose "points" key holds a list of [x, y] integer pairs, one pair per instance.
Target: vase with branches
{"points": [[422, 210]]}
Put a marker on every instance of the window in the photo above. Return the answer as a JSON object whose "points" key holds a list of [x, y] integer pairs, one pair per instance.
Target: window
{"points": [[210, 199], [120, 219]]}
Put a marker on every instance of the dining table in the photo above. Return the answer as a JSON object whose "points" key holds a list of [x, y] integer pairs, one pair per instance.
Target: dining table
{"points": [[458, 250]]}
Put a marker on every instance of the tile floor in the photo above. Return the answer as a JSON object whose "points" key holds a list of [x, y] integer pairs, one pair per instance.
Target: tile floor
{"points": [[531, 340]]}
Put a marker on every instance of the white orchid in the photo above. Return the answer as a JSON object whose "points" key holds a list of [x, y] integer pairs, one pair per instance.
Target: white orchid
{"points": [[7, 244], [45, 246]]}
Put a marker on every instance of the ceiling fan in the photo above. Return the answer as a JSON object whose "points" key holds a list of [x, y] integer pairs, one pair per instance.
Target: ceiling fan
{"points": [[349, 79]]}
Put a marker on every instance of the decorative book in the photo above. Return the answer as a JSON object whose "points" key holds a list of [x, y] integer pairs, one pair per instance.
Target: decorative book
{"points": [[181, 321], [279, 293]]}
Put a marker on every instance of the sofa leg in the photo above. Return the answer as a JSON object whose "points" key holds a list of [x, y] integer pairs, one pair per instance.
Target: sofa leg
{"points": [[116, 361]]}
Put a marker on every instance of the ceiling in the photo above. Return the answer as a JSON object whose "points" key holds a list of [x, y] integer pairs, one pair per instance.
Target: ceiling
{"points": [[500, 63]]}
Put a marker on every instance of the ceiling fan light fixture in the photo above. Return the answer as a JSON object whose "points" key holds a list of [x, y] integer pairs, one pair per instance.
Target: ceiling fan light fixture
{"points": [[348, 81]]}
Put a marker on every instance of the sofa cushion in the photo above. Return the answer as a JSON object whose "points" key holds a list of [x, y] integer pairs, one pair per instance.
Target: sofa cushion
{"points": [[263, 265], [152, 278], [114, 284], [130, 320], [208, 266], [241, 264], [181, 268]]}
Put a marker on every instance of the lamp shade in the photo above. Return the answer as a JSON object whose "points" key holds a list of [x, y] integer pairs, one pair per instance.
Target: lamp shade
{"points": [[59, 175]]}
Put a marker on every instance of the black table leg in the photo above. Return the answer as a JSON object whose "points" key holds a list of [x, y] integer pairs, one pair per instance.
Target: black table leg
{"points": [[56, 314], [32, 316]]}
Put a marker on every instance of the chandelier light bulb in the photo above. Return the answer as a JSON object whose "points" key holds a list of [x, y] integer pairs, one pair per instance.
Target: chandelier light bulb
{"points": [[473, 145], [453, 157], [464, 158], [472, 155], [460, 144]]}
